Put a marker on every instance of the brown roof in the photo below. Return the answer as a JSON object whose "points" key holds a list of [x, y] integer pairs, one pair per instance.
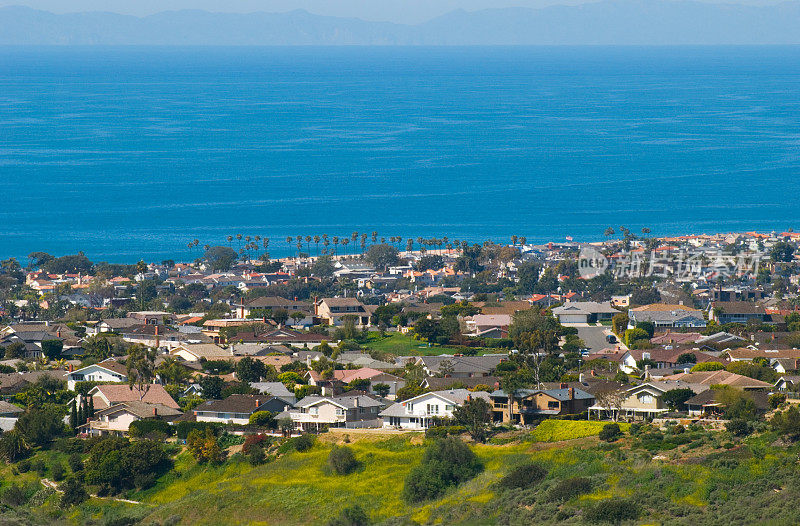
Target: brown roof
{"points": [[739, 307], [236, 403], [116, 393], [745, 353], [663, 307], [709, 378]]}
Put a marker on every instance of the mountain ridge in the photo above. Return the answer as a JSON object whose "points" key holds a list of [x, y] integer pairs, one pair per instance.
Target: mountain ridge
{"points": [[606, 22]]}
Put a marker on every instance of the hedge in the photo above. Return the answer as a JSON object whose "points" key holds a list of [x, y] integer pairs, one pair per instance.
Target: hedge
{"points": [[140, 428], [183, 429]]}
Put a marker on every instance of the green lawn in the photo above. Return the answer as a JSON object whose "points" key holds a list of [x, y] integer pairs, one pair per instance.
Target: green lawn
{"points": [[405, 345]]}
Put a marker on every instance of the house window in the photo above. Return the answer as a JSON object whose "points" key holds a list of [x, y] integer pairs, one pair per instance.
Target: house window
{"points": [[314, 410], [449, 407], [646, 398], [433, 409], [552, 405], [339, 411]]}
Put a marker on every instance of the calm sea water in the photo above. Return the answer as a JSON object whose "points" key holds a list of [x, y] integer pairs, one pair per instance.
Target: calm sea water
{"points": [[129, 153]]}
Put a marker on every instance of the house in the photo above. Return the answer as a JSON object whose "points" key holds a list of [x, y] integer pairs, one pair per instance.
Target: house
{"points": [[420, 412], [665, 315], [268, 303], [787, 383], [113, 325], [784, 365], [237, 408], [488, 325], [152, 317], [107, 395], [9, 414], [748, 354], [737, 312], [703, 380], [676, 338], [276, 389], [720, 338], [342, 377], [332, 311], [108, 370], [434, 383], [584, 312], [663, 358], [640, 402], [709, 403], [116, 419], [283, 337], [530, 405], [212, 328], [460, 366], [201, 351], [314, 413]]}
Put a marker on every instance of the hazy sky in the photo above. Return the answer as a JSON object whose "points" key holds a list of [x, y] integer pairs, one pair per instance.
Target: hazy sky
{"points": [[405, 11]]}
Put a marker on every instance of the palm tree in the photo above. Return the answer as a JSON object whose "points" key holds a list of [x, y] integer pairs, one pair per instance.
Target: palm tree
{"points": [[409, 245], [345, 242], [523, 240], [335, 244], [374, 237], [230, 240], [513, 241], [316, 240], [308, 244], [239, 238]]}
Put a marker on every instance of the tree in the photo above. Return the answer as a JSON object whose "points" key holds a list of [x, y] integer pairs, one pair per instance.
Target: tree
{"points": [[676, 398], [447, 462], [523, 477], [13, 446], [382, 256], [381, 389], [648, 327], [342, 460], [323, 267], [632, 335], [220, 258], [687, 357], [212, 386], [475, 414], [73, 493], [786, 423], [40, 425], [262, 419], [610, 432], [351, 516], [782, 252], [434, 262], [141, 368], [52, 349], [204, 447], [707, 366], [249, 370], [15, 350]]}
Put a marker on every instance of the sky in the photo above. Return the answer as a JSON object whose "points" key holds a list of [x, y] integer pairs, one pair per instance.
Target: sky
{"points": [[401, 11]]}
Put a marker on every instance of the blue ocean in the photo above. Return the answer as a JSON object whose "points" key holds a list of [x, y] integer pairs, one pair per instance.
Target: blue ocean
{"points": [[129, 153]]}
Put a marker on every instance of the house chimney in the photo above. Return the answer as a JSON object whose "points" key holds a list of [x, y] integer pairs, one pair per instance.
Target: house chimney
{"points": [[591, 372], [258, 403], [355, 401], [580, 377], [686, 370], [563, 386], [646, 372], [71, 368], [155, 411], [571, 393]]}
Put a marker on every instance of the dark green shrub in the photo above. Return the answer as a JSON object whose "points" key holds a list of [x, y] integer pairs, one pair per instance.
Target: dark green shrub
{"points": [[523, 476], [636, 428], [256, 455], [14, 496], [183, 429], [147, 427], [24, 466], [74, 493], [610, 432], [570, 488], [57, 471], [342, 460], [613, 510], [75, 462], [303, 443], [447, 462], [738, 427], [350, 516]]}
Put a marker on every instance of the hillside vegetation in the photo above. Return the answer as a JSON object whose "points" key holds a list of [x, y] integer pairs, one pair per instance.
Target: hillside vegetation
{"points": [[676, 476]]}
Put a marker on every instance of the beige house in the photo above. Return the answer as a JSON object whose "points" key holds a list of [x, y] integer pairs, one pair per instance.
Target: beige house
{"points": [[332, 311], [117, 419], [314, 413], [640, 402]]}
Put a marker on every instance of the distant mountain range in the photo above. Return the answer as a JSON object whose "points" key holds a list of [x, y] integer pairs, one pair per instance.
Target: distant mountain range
{"points": [[608, 22]]}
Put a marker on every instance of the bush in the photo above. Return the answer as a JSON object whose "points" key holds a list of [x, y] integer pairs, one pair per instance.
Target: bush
{"points": [[447, 462], [255, 441], [74, 493], [117, 464], [143, 428], [523, 476], [738, 427], [303, 443], [57, 471], [570, 488], [350, 516], [262, 419], [14, 496], [613, 511], [75, 462], [24, 466], [183, 429], [776, 399], [610, 432], [342, 460], [256, 456]]}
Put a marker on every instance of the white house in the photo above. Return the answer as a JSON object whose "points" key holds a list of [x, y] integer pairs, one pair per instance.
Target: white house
{"points": [[417, 413], [108, 370], [314, 413], [117, 419]]}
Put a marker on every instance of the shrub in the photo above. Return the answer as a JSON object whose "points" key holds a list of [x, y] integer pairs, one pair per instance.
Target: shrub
{"points": [[14, 496], [613, 511], [74, 493], [262, 419], [523, 476], [342, 460], [738, 427], [635, 428], [57, 471], [303, 442], [75, 462], [570, 488], [350, 516], [117, 464], [256, 456], [147, 427], [204, 447], [787, 423], [183, 429], [255, 441], [610, 432], [24, 466], [447, 462], [776, 399], [708, 366]]}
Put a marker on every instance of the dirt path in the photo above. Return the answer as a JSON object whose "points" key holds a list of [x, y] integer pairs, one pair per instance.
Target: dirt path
{"points": [[52, 485]]}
